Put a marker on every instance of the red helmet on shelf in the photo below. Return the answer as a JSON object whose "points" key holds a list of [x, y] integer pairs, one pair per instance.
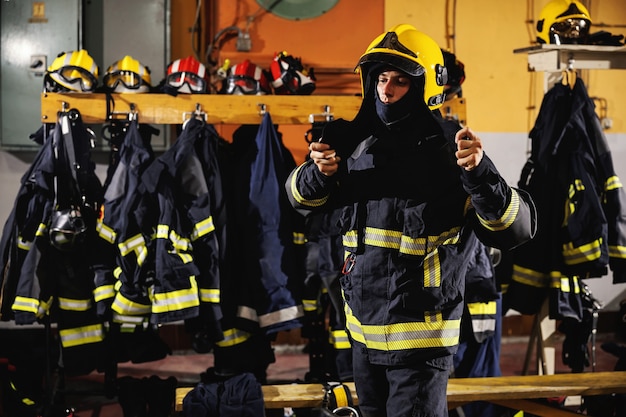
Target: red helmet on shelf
{"points": [[187, 75], [246, 78]]}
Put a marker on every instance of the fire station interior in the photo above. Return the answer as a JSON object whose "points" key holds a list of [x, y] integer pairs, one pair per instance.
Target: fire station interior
{"points": [[271, 71]]}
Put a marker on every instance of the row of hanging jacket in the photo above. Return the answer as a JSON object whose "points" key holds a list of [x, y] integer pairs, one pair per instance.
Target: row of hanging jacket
{"points": [[581, 208], [200, 234]]}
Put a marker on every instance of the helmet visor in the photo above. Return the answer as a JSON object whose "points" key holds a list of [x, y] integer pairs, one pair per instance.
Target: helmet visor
{"points": [[178, 79], [570, 30], [128, 79], [76, 76], [240, 84]]}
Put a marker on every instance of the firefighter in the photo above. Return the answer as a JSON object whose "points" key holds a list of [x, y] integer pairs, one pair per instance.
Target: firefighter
{"points": [[416, 193]]}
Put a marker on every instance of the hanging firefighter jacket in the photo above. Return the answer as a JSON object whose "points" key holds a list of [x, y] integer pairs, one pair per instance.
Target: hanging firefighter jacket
{"points": [[270, 237], [187, 214], [581, 205], [46, 261]]}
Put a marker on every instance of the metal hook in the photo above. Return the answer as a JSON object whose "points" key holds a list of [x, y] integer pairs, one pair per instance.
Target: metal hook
{"points": [[263, 109], [327, 115]]}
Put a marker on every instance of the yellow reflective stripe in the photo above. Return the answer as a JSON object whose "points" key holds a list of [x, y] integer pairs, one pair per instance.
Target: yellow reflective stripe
{"points": [[106, 232], [81, 335], [233, 337], [478, 308], [382, 238], [298, 197], [209, 295], [185, 257], [44, 307], [612, 183], [507, 218], [432, 270], [129, 322], [567, 285], [26, 304], [309, 305], [74, 304], [180, 243], [299, 238], [616, 251], [125, 306], [24, 244], [103, 292], [584, 253], [530, 277], [339, 339], [42, 230], [116, 273], [402, 336], [392, 239], [202, 228], [176, 300], [135, 244]]}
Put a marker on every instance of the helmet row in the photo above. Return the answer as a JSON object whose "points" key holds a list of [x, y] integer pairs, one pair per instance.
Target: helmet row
{"points": [[77, 71]]}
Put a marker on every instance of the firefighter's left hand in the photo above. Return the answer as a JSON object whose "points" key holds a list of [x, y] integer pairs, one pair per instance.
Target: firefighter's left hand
{"points": [[469, 149]]}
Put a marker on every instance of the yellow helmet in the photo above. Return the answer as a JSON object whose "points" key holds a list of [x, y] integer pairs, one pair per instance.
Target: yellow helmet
{"points": [[127, 76], [72, 71], [563, 22], [413, 52]]}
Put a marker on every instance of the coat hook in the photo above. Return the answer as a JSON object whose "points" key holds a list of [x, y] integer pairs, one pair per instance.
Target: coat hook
{"points": [[64, 106], [263, 109]]}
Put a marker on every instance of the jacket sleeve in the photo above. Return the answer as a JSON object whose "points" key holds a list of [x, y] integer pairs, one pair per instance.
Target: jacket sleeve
{"points": [[308, 189], [502, 217]]}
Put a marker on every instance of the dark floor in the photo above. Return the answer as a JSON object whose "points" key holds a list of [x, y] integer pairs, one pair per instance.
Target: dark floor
{"points": [[86, 396]]}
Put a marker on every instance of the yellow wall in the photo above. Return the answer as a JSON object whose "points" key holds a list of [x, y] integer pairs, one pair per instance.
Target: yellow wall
{"points": [[502, 95], [499, 89]]}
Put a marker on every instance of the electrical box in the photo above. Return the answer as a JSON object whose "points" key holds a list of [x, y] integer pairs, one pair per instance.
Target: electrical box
{"points": [[32, 33]]}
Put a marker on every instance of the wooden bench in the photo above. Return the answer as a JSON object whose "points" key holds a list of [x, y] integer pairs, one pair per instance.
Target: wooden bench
{"points": [[515, 392]]}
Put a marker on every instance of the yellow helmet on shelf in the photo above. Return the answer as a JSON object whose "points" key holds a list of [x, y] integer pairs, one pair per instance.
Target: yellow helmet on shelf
{"points": [[563, 22], [127, 75], [411, 51], [72, 71]]}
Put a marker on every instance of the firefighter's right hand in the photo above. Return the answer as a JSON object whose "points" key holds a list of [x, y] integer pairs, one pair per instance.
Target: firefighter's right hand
{"points": [[324, 157]]}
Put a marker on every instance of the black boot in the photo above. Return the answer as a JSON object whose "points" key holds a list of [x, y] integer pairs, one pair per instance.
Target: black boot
{"points": [[161, 396], [131, 394]]}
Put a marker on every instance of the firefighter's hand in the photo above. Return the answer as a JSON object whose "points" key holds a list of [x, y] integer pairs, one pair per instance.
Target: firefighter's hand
{"points": [[324, 157], [469, 149]]}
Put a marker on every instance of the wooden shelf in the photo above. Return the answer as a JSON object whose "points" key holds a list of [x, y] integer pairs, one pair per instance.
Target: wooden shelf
{"points": [[553, 58]]}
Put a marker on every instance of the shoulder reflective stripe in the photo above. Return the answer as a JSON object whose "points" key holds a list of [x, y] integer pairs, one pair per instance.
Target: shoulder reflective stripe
{"points": [[81, 335], [612, 183], [530, 277], [103, 292], [105, 232], [617, 251], [475, 309], [177, 300], [280, 316], [125, 306], [298, 197], [202, 228], [72, 304], [26, 304], [580, 254], [233, 337], [209, 295], [507, 218], [402, 336]]}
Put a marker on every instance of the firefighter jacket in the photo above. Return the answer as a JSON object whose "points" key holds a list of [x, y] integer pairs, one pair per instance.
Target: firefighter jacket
{"points": [[410, 218], [124, 268], [185, 186], [46, 261], [581, 205]]}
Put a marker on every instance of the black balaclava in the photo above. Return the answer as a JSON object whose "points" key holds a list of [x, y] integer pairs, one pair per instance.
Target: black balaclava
{"points": [[410, 103]]}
